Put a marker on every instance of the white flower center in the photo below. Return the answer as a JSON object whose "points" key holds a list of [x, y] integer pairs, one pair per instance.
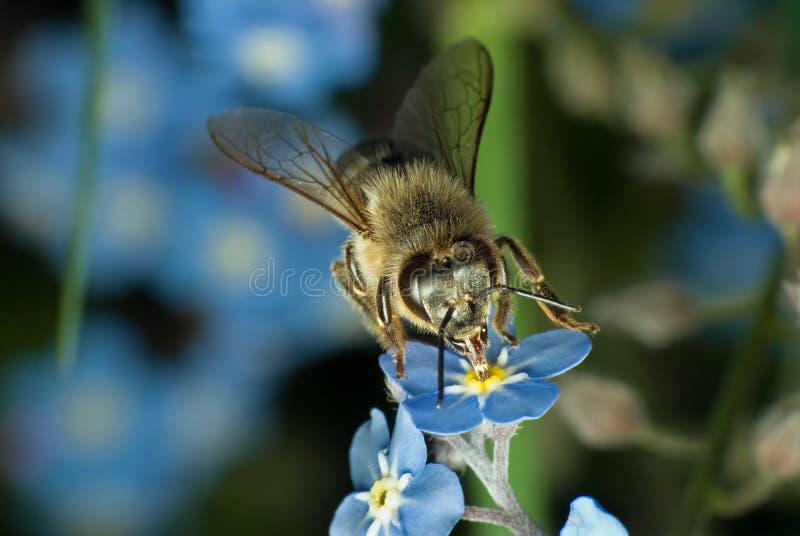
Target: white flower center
{"points": [[135, 212], [497, 375], [96, 417], [235, 247], [131, 103], [385, 497], [271, 53]]}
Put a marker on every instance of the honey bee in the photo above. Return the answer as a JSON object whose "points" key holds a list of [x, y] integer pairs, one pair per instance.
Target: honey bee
{"points": [[421, 248]]}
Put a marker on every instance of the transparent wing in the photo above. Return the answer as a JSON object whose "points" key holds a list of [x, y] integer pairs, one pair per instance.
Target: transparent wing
{"points": [[444, 111], [291, 152]]}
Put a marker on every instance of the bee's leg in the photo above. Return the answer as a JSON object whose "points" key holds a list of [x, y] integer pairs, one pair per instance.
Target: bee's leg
{"points": [[393, 335], [503, 308], [532, 274], [501, 314], [390, 334], [353, 271], [357, 298]]}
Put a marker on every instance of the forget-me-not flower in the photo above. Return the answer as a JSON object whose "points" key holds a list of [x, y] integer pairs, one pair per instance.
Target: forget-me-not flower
{"points": [[396, 492], [291, 54], [515, 389], [587, 518], [84, 448]]}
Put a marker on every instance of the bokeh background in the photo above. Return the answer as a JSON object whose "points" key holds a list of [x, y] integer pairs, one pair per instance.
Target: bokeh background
{"points": [[643, 149]]}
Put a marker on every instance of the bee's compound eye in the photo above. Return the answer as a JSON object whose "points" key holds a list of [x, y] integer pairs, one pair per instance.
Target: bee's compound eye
{"points": [[463, 252]]}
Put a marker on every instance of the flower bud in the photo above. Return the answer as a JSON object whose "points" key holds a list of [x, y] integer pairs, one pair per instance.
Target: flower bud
{"points": [[732, 131], [780, 192], [601, 412], [777, 440], [656, 97], [655, 313], [791, 295], [580, 75]]}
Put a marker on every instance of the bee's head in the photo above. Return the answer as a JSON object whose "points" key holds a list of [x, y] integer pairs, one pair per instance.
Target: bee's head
{"points": [[431, 284]]}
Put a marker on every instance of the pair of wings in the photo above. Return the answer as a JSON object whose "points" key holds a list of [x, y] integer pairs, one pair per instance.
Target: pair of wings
{"points": [[442, 115]]}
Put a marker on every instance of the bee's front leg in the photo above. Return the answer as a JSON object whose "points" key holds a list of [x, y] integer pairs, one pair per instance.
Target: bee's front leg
{"points": [[503, 310], [393, 334], [532, 274]]}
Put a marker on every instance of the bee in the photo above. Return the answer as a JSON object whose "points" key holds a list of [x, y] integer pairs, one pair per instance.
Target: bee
{"points": [[421, 247]]}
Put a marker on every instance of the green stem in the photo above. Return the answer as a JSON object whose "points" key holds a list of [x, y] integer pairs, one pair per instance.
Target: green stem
{"points": [[668, 443], [70, 310], [739, 189], [739, 502], [739, 379]]}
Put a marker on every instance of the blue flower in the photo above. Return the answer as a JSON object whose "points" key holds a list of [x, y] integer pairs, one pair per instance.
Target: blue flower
{"points": [[397, 493], [290, 54], [514, 390], [587, 518], [84, 447], [135, 198]]}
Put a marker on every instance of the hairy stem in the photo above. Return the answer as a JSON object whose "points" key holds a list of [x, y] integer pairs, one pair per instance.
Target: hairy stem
{"points": [[493, 474]]}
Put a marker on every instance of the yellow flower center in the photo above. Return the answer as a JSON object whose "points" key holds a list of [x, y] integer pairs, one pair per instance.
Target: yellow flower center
{"points": [[384, 498], [478, 386]]}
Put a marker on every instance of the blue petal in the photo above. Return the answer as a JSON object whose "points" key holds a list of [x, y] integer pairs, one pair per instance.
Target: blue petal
{"points": [[370, 438], [548, 354], [433, 502], [587, 518], [422, 372], [351, 518], [459, 413], [513, 402], [407, 453]]}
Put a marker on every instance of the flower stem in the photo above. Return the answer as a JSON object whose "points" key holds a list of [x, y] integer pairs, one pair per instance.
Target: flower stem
{"points": [[738, 187], [493, 474], [668, 443], [744, 499], [70, 310], [738, 381]]}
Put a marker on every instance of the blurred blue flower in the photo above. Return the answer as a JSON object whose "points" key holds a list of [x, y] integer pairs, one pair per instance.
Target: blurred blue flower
{"points": [[708, 27], [209, 413], [397, 493], [289, 54], [84, 446], [135, 196], [708, 235], [609, 14], [588, 518], [514, 390]]}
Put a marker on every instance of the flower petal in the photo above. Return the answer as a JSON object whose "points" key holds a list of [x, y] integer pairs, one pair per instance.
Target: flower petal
{"points": [[522, 400], [407, 453], [587, 518], [370, 438], [351, 518], [422, 373], [432, 503], [548, 354], [459, 413]]}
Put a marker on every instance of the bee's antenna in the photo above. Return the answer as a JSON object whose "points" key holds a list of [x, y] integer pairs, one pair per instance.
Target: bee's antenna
{"points": [[440, 393], [531, 295]]}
